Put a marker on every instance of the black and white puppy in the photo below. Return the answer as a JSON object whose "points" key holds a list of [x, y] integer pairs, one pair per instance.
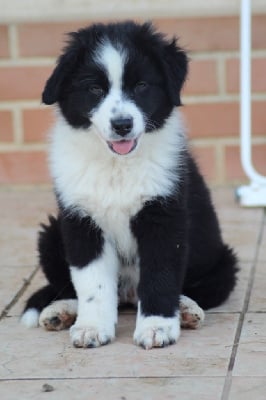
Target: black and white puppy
{"points": [[135, 223]]}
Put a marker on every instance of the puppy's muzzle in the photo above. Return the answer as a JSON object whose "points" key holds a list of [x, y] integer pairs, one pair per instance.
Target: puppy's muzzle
{"points": [[122, 126]]}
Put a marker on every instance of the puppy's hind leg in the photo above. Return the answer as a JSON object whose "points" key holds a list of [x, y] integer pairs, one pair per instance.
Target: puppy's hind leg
{"points": [[191, 314], [35, 304]]}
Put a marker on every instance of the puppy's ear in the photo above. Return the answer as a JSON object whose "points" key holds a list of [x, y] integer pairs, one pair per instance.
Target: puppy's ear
{"points": [[175, 63], [65, 65]]}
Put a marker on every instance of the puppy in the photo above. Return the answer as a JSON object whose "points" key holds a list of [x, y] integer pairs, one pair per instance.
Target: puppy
{"points": [[135, 223]]}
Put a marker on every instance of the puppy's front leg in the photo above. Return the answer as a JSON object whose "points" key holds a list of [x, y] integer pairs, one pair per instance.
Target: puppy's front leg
{"points": [[160, 231], [93, 268]]}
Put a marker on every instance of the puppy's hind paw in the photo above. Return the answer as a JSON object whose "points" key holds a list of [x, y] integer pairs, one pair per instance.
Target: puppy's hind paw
{"points": [[191, 314], [59, 315]]}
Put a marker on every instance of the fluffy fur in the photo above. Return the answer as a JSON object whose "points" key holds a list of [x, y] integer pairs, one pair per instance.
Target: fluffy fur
{"points": [[136, 223]]}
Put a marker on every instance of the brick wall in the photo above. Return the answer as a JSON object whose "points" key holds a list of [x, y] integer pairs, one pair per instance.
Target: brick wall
{"points": [[211, 94]]}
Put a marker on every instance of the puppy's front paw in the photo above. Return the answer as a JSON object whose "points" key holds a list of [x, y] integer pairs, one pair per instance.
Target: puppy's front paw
{"points": [[89, 336], [156, 331]]}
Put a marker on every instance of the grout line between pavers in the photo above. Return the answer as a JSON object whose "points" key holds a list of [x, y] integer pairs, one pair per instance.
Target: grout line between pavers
{"points": [[19, 293], [229, 375], [95, 378]]}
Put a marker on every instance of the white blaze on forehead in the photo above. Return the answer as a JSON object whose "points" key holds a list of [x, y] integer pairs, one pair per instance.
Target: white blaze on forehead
{"points": [[115, 104], [113, 61]]}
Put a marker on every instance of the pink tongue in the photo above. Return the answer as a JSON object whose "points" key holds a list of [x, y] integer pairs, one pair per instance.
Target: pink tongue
{"points": [[123, 146]]}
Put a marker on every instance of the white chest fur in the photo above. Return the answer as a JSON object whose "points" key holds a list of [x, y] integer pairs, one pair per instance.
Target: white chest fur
{"points": [[111, 188]]}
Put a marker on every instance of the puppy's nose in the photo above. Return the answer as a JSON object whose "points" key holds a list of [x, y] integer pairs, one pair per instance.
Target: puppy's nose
{"points": [[122, 126]]}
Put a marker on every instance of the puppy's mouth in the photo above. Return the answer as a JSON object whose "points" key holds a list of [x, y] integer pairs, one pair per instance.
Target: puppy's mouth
{"points": [[123, 147]]}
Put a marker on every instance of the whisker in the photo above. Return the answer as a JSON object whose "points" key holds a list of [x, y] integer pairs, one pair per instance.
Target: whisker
{"points": [[150, 124]]}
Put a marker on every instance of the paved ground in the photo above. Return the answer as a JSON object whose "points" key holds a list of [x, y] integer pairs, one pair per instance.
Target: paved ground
{"points": [[225, 359]]}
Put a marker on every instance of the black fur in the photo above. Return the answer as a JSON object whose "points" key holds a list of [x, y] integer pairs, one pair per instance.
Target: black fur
{"points": [[82, 240], [161, 232]]}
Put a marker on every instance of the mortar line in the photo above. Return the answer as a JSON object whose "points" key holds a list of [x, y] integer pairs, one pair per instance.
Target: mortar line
{"points": [[13, 43], [221, 76], [22, 147], [18, 126], [229, 375], [224, 54], [94, 378], [220, 98], [220, 161], [17, 61]]}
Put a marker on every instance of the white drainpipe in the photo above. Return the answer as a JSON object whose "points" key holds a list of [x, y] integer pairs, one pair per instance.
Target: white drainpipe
{"points": [[255, 193]]}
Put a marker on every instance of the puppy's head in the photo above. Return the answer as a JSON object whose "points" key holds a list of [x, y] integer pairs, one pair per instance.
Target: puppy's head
{"points": [[124, 79]]}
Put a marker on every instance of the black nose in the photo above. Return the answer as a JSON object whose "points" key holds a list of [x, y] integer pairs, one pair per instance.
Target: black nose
{"points": [[122, 126]]}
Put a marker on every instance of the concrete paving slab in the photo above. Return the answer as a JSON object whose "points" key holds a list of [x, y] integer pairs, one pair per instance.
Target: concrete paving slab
{"points": [[246, 388], [203, 352], [115, 389], [251, 355]]}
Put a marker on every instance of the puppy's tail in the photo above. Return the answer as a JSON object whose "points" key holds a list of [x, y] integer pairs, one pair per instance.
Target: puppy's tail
{"points": [[56, 270], [213, 288], [35, 304]]}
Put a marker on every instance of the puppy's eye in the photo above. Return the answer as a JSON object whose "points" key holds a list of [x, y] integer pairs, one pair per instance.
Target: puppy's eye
{"points": [[97, 90], [141, 87]]}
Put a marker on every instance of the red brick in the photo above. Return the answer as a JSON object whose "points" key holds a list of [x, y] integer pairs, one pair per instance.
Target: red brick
{"points": [[43, 39], [259, 158], [212, 119], [259, 118], [18, 83], [202, 78], [196, 34], [206, 160], [4, 50], [23, 167], [259, 31], [36, 124], [233, 167], [203, 34], [6, 126], [258, 75], [232, 75]]}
